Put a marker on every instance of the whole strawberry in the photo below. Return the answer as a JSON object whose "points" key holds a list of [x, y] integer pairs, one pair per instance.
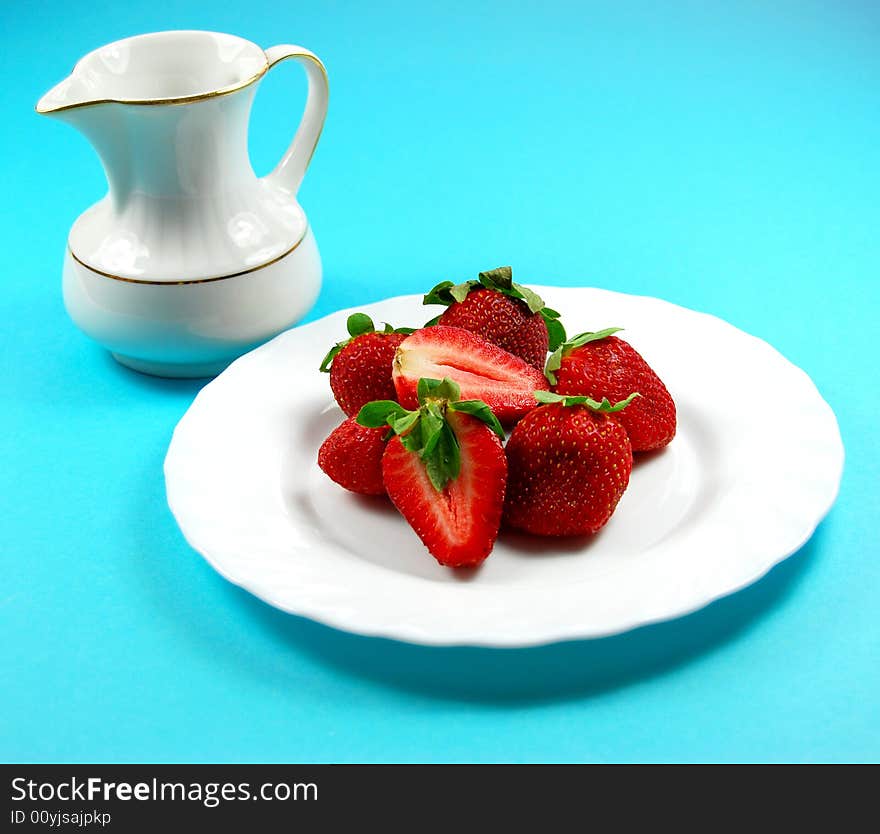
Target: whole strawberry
{"points": [[444, 470], [601, 365], [352, 456], [568, 465], [506, 314], [360, 367]]}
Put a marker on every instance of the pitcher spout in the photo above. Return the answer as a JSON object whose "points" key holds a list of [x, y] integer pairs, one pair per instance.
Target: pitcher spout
{"points": [[73, 91], [159, 68]]}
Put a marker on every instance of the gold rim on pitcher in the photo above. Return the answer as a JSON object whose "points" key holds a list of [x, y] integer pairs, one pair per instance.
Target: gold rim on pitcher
{"points": [[188, 281]]}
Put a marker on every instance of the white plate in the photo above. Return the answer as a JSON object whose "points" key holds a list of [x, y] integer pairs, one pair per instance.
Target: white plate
{"points": [[754, 467]]}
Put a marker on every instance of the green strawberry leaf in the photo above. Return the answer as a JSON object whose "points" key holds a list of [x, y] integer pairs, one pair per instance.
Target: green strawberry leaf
{"points": [[583, 338], [447, 293], [605, 407], [554, 363], [412, 440], [424, 387], [432, 423], [445, 389], [388, 330], [443, 460], [358, 324], [479, 409], [327, 361], [500, 278], [555, 330], [381, 413], [433, 321], [403, 423], [460, 291], [533, 301], [439, 294]]}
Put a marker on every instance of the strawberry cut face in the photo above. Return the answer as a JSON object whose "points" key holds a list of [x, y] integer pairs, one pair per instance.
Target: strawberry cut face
{"points": [[482, 370]]}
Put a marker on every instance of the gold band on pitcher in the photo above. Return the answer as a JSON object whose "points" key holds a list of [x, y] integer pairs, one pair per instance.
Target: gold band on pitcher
{"points": [[187, 282], [223, 91]]}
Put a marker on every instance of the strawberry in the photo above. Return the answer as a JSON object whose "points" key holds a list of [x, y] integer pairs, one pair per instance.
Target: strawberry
{"points": [[444, 470], [568, 464], [482, 370], [506, 314], [360, 367], [601, 365], [352, 456]]}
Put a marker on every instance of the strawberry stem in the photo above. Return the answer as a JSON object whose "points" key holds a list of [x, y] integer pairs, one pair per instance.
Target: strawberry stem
{"points": [[426, 431], [499, 279]]}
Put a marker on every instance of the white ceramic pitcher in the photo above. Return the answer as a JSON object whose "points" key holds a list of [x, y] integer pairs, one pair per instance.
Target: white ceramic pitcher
{"points": [[190, 259]]}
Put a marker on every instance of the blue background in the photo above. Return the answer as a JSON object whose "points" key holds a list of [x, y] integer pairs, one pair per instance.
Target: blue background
{"points": [[723, 156]]}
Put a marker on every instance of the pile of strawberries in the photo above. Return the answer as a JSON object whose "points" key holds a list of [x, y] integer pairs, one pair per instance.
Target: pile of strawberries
{"points": [[428, 411]]}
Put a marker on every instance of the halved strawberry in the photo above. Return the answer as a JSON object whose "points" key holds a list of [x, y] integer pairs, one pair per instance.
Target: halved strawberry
{"points": [[505, 313], [445, 470], [483, 371]]}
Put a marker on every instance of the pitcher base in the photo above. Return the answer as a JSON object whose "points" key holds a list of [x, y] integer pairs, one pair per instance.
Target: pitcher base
{"points": [[171, 370]]}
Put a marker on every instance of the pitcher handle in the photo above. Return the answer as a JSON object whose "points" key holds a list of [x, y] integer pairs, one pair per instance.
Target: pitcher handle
{"points": [[289, 172]]}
